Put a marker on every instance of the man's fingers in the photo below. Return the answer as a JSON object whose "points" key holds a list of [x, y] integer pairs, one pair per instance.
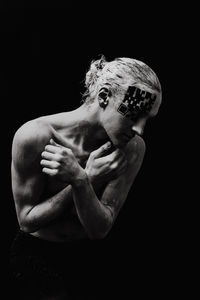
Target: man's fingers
{"points": [[51, 156], [52, 142], [51, 172], [52, 148], [101, 150], [48, 155], [49, 164], [111, 157], [116, 154]]}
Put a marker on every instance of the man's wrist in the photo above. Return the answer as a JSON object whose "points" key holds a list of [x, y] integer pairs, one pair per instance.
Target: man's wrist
{"points": [[90, 178], [80, 179]]}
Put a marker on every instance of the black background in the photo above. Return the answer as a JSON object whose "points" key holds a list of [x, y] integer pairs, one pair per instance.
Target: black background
{"points": [[46, 51]]}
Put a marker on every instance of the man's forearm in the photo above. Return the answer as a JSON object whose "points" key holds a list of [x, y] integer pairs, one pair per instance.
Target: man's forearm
{"points": [[94, 216], [43, 213]]}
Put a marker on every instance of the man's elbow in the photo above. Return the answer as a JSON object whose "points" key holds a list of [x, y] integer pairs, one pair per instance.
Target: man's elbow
{"points": [[100, 232], [27, 226], [97, 235]]}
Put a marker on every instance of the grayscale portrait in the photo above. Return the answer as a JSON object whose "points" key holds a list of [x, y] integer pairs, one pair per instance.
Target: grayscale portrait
{"points": [[71, 175]]}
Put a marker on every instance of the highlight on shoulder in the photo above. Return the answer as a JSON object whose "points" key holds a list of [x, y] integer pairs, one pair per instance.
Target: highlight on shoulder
{"points": [[136, 148], [34, 133]]}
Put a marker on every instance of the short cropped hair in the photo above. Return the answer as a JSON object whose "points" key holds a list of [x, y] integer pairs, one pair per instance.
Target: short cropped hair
{"points": [[119, 72]]}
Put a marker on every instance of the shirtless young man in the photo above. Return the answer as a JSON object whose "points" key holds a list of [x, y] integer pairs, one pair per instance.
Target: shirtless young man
{"points": [[72, 171]]}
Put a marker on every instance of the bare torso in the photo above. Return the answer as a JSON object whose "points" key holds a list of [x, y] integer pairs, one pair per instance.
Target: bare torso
{"points": [[67, 226]]}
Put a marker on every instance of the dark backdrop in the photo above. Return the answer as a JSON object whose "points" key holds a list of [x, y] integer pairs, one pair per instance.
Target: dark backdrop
{"points": [[46, 52]]}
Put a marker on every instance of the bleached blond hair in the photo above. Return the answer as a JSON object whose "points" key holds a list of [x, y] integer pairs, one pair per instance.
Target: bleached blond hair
{"points": [[116, 74]]}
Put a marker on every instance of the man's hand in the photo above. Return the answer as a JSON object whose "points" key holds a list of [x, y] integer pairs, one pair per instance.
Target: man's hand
{"points": [[60, 161], [100, 168]]}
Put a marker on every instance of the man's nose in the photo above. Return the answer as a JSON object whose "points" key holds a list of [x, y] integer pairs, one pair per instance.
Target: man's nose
{"points": [[138, 129]]}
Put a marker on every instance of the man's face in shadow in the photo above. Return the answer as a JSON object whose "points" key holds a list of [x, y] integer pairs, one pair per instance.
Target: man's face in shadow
{"points": [[129, 116]]}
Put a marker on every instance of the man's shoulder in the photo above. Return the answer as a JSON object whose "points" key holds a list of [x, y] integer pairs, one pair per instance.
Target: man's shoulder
{"points": [[31, 132], [30, 139], [136, 148]]}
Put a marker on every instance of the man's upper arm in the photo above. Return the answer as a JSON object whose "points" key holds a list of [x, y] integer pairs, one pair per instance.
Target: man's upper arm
{"points": [[117, 190], [27, 178]]}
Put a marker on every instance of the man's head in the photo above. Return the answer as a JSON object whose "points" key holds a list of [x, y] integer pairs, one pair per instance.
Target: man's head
{"points": [[127, 91]]}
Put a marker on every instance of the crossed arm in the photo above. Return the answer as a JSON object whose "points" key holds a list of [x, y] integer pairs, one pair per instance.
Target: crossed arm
{"points": [[96, 215]]}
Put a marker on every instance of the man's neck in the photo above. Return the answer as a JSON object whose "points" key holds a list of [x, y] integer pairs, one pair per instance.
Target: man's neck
{"points": [[89, 129], [82, 126]]}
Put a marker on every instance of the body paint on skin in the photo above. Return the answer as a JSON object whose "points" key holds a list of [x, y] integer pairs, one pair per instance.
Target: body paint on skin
{"points": [[136, 102]]}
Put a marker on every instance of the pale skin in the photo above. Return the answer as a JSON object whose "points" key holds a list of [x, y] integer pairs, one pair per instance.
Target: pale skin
{"points": [[68, 181]]}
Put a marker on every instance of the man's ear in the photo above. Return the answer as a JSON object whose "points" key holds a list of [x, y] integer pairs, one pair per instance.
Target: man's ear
{"points": [[103, 97]]}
